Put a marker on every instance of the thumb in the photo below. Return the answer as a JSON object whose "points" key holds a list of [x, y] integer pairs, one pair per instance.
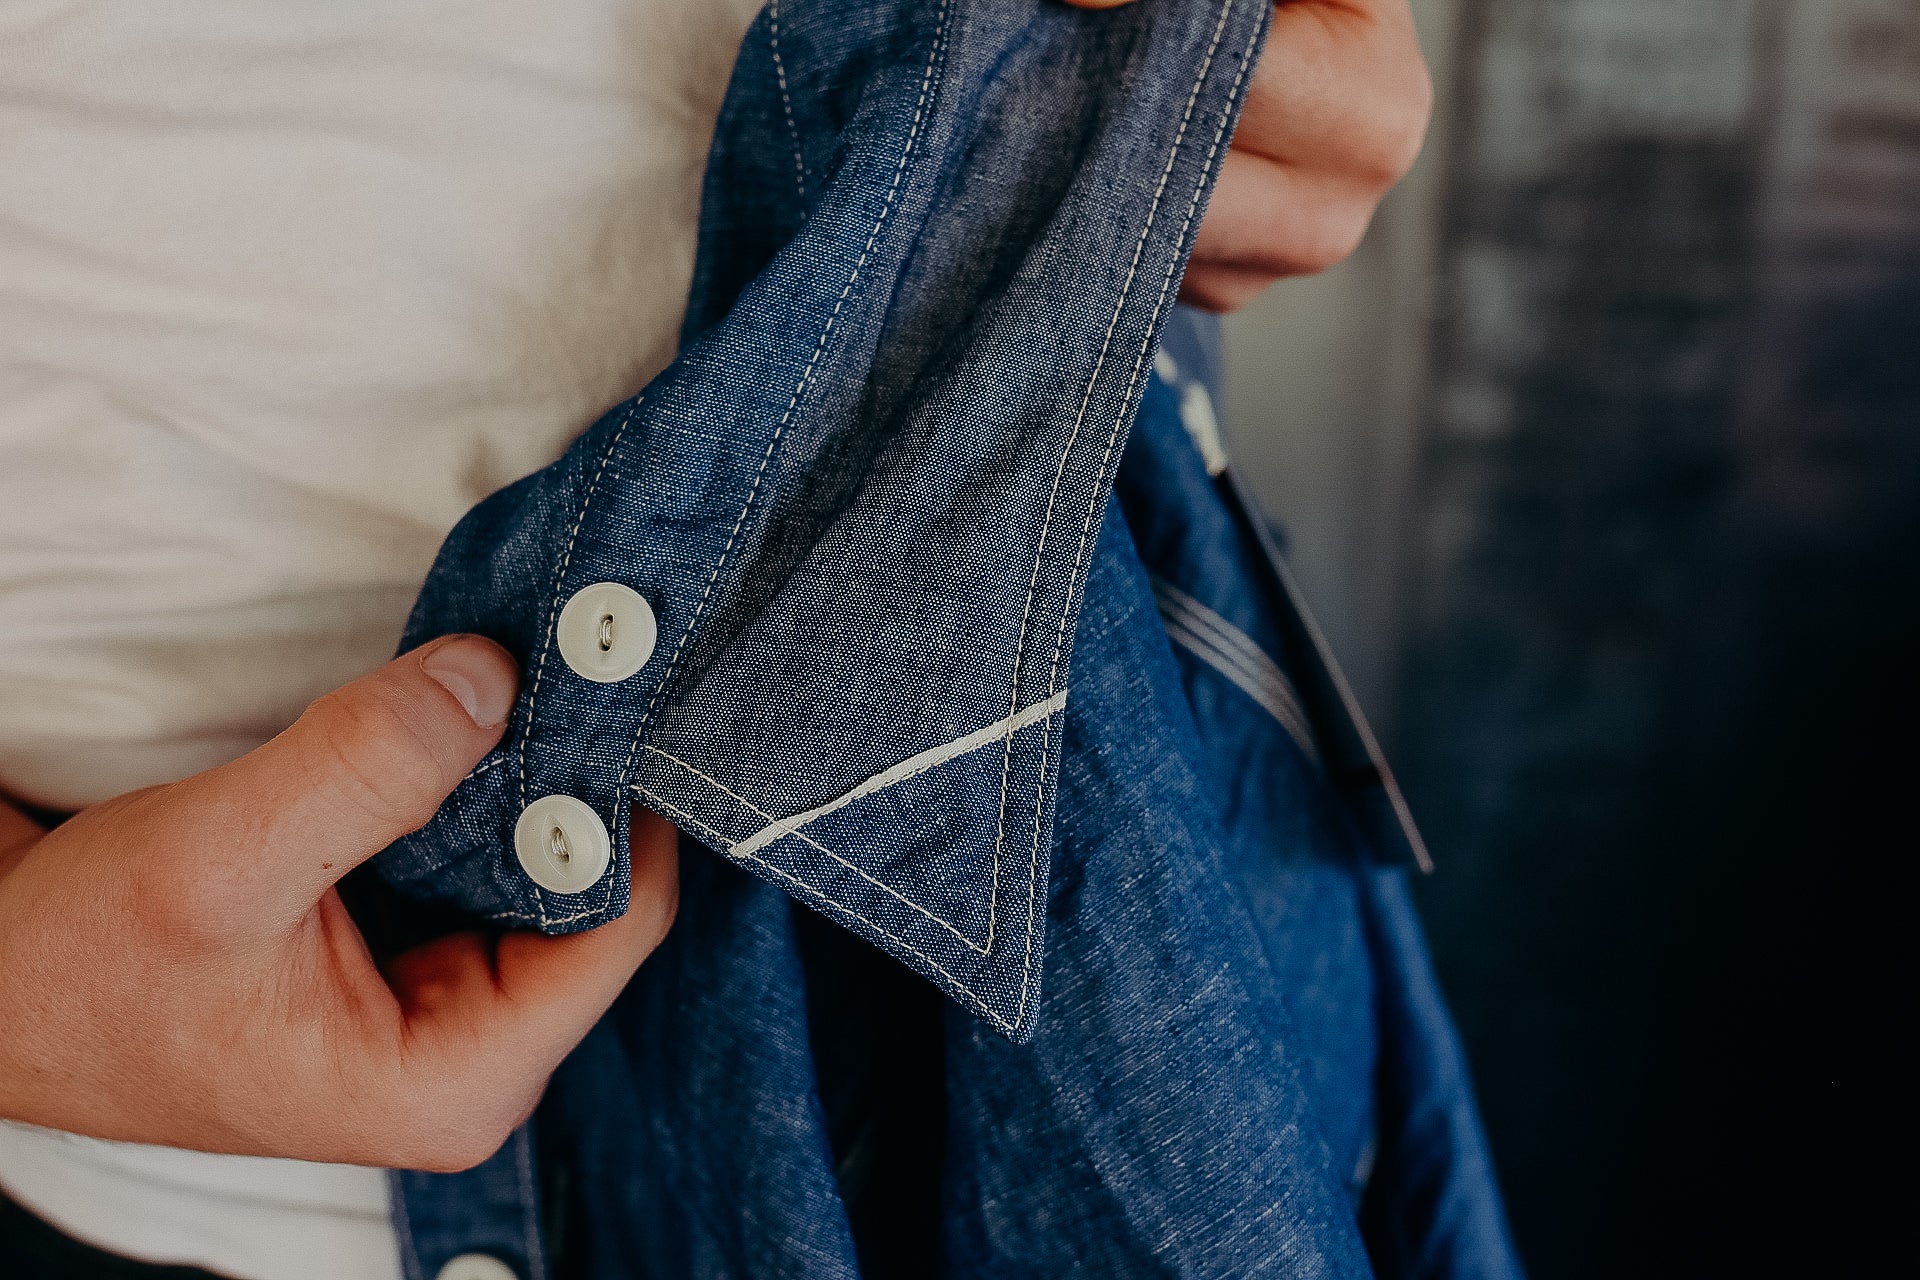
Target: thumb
{"points": [[370, 762], [488, 1018]]}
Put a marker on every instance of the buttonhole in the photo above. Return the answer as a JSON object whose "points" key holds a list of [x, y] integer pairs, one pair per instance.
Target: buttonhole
{"points": [[557, 845], [606, 633]]}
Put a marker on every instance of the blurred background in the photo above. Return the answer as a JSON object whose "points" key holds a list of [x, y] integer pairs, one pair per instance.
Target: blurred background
{"points": [[1601, 463]]}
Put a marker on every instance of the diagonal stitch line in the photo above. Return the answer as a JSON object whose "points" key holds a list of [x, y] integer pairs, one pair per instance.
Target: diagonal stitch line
{"points": [[858, 870], [786, 102], [485, 766], [1254, 669], [1212, 623], [1093, 500], [1271, 698], [978, 1003], [1254, 665], [806, 376], [1229, 645], [1205, 618], [911, 767]]}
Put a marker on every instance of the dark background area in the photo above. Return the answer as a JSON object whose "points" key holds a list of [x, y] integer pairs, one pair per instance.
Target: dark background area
{"points": [[1602, 459]]}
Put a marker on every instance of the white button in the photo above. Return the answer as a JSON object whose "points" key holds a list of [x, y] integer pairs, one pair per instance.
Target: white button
{"points": [[562, 844], [606, 632], [476, 1266]]}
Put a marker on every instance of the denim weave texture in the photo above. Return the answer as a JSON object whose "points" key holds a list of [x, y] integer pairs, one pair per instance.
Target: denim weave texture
{"points": [[979, 970]]}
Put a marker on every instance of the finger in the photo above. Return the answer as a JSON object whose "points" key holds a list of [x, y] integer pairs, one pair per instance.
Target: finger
{"points": [[1273, 218], [1098, 4], [1342, 86], [1306, 89], [529, 989], [496, 1017], [1222, 289], [362, 767]]}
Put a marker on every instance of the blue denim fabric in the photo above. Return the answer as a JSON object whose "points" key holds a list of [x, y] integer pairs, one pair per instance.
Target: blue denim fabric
{"points": [[873, 507]]}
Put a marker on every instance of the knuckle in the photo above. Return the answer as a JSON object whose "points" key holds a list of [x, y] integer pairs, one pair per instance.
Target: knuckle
{"points": [[1399, 128], [455, 1136], [1222, 292], [180, 910], [451, 1107], [457, 1150], [175, 919], [382, 766], [1332, 239]]}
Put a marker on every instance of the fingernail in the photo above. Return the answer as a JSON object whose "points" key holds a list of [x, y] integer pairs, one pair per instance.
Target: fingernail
{"points": [[478, 674]]}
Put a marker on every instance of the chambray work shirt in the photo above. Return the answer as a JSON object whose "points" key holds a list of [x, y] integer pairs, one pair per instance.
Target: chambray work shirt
{"points": [[1039, 914]]}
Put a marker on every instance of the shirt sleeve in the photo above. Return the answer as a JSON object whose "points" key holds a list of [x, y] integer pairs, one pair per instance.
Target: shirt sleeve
{"points": [[938, 242]]}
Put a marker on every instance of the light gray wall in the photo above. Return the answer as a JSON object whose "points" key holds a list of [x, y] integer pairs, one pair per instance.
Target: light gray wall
{"points": [[1602, 465], [1325, 381]]}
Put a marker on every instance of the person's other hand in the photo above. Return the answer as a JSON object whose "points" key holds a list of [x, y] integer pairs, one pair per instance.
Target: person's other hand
{"points": [[177, 967], [1334, 118]]}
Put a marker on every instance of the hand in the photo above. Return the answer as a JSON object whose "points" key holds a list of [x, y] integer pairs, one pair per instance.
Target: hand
{"points": [[177, 967], [1334, 118]]}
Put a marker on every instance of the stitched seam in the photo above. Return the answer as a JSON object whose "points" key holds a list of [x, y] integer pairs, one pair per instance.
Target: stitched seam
{"points": [[786, 102], [484, 766], [529, 1221], [882, 885], [1253, 667], [1133, 381], [905, 771], [978, 1002], [403, 1228], [553, 615], [546, 920], [806, 376], [1093, 501]]}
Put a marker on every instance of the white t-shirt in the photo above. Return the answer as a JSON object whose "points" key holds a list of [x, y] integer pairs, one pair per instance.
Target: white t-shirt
{"points": [[284, 290]]}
